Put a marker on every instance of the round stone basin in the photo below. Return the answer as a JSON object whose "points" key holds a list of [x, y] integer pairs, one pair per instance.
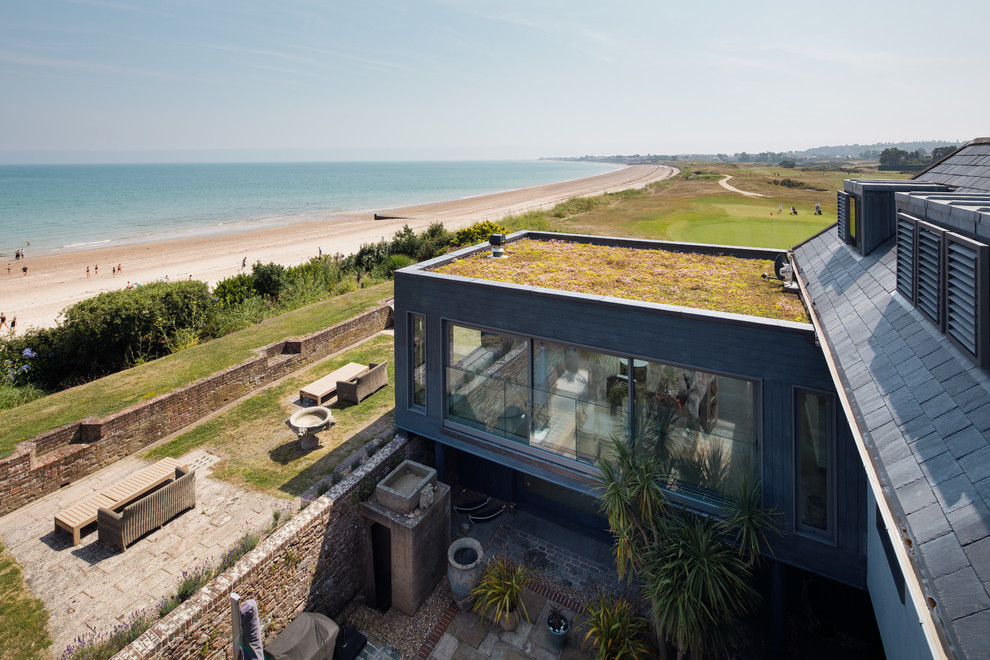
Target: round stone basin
{"points": [[306, 423]]}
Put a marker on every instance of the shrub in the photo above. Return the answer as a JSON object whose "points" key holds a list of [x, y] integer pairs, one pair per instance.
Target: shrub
{"points": [[235, 290], [118, 328], [405, 242], [101, 646], [269, 279], [435, 239], [391, 264], [477, 233]]}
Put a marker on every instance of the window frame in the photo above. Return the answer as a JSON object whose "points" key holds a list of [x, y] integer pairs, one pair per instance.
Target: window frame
{"points": [[412, 404], [831, 499]]}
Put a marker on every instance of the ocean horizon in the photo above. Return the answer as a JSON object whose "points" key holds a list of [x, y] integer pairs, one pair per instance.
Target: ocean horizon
{"points": [[62, 208]]}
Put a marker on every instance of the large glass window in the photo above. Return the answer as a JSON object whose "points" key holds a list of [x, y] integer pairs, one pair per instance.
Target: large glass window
{"points": [[576, 403], [418, 334], [814, 459], [575, 409], [488, 381], [698, 424]]}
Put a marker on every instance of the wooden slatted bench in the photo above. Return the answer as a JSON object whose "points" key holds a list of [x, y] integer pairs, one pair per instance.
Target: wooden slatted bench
{"points": [[78, 516], [326, 388]]}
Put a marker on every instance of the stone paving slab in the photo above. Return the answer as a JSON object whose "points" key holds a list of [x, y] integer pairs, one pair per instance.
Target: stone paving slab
{"points": [[90, 587]]}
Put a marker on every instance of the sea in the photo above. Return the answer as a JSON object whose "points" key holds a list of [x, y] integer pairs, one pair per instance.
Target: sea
{"points": [[48, 209]]}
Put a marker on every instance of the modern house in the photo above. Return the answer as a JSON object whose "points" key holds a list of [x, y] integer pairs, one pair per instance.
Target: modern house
{"points": [[865, 419]]}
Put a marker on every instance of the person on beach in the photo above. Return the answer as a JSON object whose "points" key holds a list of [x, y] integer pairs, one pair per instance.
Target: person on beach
{"points": [[17, 256], [119, 269], [13, 325], [244, 263], [87, 271], [3, 320], [96, 269], [24, 269]]}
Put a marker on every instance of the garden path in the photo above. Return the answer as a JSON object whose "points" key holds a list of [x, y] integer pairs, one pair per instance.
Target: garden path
{"points": [[725, 184]]}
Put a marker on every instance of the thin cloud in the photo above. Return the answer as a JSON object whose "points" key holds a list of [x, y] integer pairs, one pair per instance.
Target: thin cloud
{"points": [[375, 65], [120, 7]]}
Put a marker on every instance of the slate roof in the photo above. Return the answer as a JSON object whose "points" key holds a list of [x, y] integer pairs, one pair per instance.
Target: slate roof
{"points": [[923, 410], [967, 168]]}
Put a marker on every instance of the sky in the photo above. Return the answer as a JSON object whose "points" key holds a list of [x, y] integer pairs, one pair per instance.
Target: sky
{"points": [[188, 80]]}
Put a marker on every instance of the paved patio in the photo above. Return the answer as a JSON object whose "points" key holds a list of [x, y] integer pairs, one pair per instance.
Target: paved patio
{"points": [[570, 569], [90, 587]]}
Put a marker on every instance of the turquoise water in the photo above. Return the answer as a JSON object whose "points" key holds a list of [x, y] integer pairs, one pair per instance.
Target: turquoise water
{"points": [[73, 207]]}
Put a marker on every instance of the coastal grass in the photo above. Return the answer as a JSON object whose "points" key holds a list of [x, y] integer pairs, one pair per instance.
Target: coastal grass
{"points": [[260, 453], [23, 619], [117, 391]]}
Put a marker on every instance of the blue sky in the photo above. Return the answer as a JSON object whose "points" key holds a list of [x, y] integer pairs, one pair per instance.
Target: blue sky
{"points": [[379, 80]]}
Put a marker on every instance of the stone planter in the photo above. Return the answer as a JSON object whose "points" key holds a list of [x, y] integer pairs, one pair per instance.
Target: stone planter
{"points": [[463, 568]]}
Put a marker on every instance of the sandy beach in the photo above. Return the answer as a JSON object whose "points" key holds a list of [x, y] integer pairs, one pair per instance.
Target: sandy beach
{"points": [[54, 282]]}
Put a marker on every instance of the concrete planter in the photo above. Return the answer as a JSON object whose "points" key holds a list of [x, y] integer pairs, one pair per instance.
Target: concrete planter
{"points": [[463, 568]]}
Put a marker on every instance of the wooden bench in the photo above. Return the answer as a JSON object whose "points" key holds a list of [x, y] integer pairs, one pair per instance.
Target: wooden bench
{"points": [[78, 516], [326, 388]]}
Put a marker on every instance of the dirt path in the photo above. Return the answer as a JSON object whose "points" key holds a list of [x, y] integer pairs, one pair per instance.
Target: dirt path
{"points": [[725, 184]]}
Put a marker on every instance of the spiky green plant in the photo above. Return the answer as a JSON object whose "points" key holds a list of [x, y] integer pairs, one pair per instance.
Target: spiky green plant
{"points": [[500, 588], [697, 583], [748, 522], [616, 630]]}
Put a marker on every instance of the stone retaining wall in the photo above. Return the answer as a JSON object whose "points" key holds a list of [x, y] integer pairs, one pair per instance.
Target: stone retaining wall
{"points": [[56, 458], [315, 562]]}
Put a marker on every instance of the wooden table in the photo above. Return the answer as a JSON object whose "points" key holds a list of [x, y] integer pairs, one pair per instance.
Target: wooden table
{"points": [[78, 516]]}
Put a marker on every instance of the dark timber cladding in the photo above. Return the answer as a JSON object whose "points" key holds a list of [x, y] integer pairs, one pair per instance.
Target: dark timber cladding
{"points": [[778, 357]]}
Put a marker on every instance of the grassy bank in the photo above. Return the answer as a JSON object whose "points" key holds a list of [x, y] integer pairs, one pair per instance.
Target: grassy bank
{"points": [[118, 391], [258, 450]]}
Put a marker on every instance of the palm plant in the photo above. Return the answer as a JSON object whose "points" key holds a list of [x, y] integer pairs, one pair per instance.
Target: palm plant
{"points": [[500, 588], [748, 522], [697, 583], [616, 630]]}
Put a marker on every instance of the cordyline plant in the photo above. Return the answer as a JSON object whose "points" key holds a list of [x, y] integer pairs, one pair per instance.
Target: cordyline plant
{"points": [[695, 569]]}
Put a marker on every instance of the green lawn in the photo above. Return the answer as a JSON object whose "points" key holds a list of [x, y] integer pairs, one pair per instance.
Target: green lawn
{"points": [[23, 619], [260, 453], [118, 391], [695, 208]]}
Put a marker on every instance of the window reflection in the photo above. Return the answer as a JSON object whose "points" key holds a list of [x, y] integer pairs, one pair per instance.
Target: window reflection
{"points": [[814, 450], [700, 425], [488, 381], [419, 359]]}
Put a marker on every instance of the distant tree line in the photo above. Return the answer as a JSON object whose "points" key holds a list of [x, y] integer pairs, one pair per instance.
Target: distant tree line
{"points": [[845, 152]]}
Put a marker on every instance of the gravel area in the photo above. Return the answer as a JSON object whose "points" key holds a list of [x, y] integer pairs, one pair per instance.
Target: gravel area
{"points": [[401, 633]]}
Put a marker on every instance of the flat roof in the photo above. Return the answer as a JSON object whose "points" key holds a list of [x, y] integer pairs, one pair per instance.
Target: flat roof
{"points": [[714, 278]]}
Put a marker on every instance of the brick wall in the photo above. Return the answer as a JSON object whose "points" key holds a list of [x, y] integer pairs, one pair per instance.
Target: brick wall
{"points": [[312, 563], [53, 459]]}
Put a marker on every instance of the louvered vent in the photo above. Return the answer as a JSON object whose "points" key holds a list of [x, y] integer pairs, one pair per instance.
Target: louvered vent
{"points": [[929, 299], [843, 213], [966, 266], [906, 255]]}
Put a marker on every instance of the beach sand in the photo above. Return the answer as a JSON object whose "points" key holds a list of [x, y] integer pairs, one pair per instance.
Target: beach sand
{"points": [[54, 282]]}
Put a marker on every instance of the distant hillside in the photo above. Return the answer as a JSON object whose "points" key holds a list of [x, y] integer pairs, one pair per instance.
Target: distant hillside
{"points": [[841, 152]]}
